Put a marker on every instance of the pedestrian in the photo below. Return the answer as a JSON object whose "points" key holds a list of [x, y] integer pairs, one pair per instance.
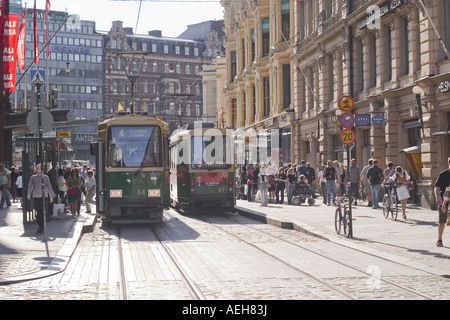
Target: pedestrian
{"points": [[366, 183], [90, 190], [249, 172], [375, 177], [39, 199], [263, 183], [14, 175], [302, 169], [290, 183], [323, 182], [331, 177], [271, 175], [73, 191], [281, 185], [402, 178], [352, 175], [5, 180], [440, 187], [342, 186], [19, 187], [388, 172], [310, 174], [62, 186]]}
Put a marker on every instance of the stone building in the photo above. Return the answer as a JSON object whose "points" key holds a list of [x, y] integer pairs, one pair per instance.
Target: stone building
{"points": [[374, 51]]}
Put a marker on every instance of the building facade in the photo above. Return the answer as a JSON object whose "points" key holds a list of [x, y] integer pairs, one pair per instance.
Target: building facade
{"points": [[374, 51], [74, 68], [165, 73]]}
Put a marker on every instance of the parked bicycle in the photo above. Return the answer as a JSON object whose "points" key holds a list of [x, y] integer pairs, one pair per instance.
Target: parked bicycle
{"points": [[342, 217], [390, 202]]}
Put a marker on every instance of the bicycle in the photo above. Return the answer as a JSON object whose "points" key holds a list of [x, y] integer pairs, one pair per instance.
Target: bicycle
{"points": [[390, 202], [342, 217]]}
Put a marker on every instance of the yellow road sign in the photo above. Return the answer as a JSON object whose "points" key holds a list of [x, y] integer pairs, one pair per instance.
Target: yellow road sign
{"points": [[347, 136], [346, 103], [64, 134]]}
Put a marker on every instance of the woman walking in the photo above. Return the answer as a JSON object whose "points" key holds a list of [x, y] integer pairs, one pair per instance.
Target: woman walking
{"points": [[263, 181], [73, 189], [402, 177], [281, 184]]}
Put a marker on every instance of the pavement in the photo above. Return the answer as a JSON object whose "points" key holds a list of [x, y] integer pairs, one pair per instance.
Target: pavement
{"points": [[410, 242], [26, 255]]}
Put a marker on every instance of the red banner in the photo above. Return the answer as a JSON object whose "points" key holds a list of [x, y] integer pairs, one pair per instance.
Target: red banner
{"points": [[21, 42], [9, 39]]}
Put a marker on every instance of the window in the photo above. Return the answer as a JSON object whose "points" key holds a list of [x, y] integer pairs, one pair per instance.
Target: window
{"points": [[265, 28], [253, 44], [286, 86], [186, 51], [177, 49], [447, 23], [233, 69], [266, 92], [166, 48], [285, 19], [404, 45]]}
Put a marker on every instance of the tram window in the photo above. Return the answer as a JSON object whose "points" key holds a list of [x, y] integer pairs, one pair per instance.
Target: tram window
{"points": [[134, 147], [210, 152]]}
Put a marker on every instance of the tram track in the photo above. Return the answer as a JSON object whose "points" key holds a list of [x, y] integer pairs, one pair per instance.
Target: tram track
{"points": [[322, 255], [177, 262]]}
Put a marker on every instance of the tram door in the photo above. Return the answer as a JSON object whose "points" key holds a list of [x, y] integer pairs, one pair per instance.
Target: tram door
{"points": [[98, 149]]}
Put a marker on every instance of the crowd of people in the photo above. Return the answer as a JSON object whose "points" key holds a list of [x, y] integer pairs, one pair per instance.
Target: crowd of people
{"points": [[269, 184], [66, 185]]}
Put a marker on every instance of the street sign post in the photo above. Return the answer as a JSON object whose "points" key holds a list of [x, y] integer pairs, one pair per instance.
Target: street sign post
{"points": [[347, 136]]}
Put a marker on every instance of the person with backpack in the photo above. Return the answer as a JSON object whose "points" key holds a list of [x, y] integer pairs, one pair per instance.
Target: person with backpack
{"points": [[375, 177]]}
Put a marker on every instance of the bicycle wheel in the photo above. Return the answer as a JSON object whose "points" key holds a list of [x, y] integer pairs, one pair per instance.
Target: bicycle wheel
{"points": [[338, 220], [386, 206], [346, 223], [394, 207]]}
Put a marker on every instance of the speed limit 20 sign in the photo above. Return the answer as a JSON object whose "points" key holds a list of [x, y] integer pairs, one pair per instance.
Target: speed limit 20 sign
{"points": [[347, 136]]}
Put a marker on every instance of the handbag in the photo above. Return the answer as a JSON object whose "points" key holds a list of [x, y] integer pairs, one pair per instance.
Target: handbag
{"points": [[72, 191], [402, 193], [58, 209]]}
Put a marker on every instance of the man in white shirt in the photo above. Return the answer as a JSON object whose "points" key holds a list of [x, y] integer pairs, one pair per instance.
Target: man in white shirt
{"points": [[90, 185], [323, 183]]}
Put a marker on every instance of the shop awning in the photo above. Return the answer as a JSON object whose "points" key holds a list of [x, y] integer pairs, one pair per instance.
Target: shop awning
{"points": [[414, 157]]}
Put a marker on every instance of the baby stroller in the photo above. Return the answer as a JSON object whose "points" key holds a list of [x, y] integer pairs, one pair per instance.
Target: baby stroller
{"points": [[302, 193]]}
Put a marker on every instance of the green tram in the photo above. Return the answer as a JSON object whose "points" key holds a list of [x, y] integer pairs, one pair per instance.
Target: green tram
{"points": [[132, 157], [202, 171]]}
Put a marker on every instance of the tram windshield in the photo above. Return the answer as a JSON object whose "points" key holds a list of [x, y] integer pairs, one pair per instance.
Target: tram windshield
{"points": [[211, 152], [134, 147]]}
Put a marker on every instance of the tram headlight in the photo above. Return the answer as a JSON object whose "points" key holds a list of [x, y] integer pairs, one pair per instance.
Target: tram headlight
{"points": [[154, 193], [115, 193]]}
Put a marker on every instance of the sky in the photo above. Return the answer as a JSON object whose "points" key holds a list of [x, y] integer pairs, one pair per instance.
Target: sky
{"points": [[167, 15]]}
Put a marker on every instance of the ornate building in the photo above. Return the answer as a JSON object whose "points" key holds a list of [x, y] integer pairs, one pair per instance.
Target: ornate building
{"points": [[374, 51]]}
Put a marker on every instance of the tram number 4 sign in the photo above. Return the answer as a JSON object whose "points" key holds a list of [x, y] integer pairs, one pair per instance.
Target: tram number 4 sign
{"points": [[347, 136]]}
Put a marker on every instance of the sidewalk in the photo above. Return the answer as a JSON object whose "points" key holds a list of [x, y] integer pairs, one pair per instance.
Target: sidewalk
{"points": [[24, 255], [411, 242]]}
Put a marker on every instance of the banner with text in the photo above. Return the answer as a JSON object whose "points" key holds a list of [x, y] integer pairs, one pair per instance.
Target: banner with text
{"points": [[9, 38]]}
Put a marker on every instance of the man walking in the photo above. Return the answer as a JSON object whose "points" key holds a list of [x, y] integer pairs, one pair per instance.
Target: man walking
{"points": [[35, 187], [331, 177], [352, 174], [442, 183], [375, 176], [90, 190], [5, 180], [366, 183]]}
